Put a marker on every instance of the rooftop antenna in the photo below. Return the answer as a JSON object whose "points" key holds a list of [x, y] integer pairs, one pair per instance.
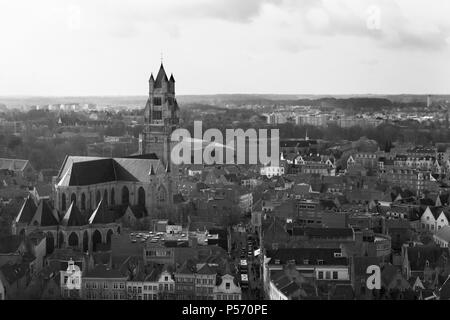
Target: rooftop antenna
{"points": [[161, 57]]}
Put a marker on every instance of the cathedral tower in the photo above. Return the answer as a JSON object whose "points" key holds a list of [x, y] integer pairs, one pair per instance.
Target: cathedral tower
{"points": [[161, 117]]}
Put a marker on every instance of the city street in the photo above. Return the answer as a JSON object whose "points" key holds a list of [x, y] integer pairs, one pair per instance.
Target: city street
{"points": [[240, 251]]}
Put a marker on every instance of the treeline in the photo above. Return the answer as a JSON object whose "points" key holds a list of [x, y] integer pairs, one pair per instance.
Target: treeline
{"points": [[42, 154]]}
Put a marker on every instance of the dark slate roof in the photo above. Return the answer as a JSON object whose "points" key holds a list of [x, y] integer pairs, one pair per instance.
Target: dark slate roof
{"points": [[80, 171], [102, 215], [45, 215], [162, 76], [310, 254], [73, 217], [10, 244], [98, 171], [27, 211], [148, 156]]}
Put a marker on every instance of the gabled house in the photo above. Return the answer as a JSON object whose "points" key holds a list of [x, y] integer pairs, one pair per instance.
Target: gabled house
{"points": [[433, 219]]}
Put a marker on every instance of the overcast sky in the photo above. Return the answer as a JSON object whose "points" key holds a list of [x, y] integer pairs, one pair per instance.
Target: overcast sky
{"points": [[110, 47]]}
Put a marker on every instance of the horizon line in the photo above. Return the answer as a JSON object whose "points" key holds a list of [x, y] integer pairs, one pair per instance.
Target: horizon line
{"points": [[221, 94]]}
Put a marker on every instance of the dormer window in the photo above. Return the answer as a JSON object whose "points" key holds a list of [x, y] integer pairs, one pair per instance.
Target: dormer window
{"points": [[320, 262], [277, 261], [227, 286], [305, 261]]}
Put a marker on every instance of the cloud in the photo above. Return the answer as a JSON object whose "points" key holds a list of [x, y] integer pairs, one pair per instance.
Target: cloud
{"points": [[241, 11], [387, 24], [295, 45]]}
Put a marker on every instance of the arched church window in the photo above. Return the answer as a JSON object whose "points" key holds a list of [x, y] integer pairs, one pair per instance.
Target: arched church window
{"points": [[125, 195], [63, 201], [161, 196], [141, 196]]}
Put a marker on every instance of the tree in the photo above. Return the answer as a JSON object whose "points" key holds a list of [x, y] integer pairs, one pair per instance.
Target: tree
{"points": [[14, 142]]}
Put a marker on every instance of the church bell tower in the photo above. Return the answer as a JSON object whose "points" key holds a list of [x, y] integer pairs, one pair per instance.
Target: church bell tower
{"points": [[161, 117]]}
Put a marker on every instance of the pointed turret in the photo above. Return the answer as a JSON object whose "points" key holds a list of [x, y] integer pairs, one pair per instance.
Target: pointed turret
{"points": [[172, 79], [161, 77], [151, 84]]}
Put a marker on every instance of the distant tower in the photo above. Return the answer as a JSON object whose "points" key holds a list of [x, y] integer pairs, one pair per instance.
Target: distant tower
{"points": [[161, 117], [428, 101]]}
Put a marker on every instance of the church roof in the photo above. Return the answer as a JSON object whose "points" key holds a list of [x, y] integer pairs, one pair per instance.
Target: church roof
{"points": [[45, 215], [101, 215], [27, 211], [81, 171]]}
